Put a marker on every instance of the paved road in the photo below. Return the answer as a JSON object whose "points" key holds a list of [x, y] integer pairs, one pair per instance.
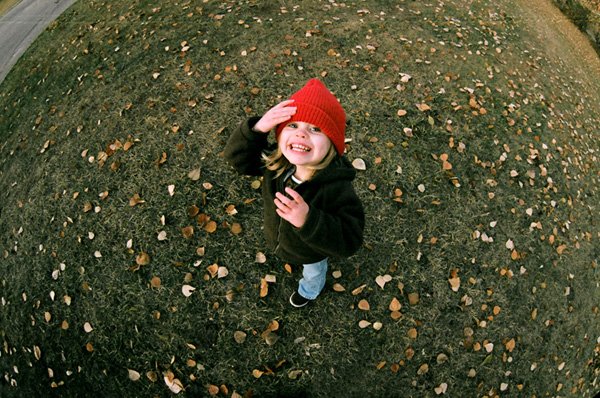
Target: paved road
{"points": [[22, 24]]}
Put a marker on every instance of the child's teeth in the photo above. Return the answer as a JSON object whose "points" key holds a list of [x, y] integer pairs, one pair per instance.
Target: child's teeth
{"points": [[300, 148]]}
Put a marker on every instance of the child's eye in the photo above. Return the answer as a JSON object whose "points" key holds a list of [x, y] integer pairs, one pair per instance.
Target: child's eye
{"points": [[316, 130], [292, 125]]}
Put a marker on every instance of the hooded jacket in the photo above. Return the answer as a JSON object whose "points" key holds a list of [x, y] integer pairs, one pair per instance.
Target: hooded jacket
{"points": [[335, 221]]}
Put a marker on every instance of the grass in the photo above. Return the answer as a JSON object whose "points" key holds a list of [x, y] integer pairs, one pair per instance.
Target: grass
{"points": [[6, 5], [120, 71]]}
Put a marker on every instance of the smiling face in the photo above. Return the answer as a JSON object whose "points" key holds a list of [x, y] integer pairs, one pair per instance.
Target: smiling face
{"points": [[304, 145]]}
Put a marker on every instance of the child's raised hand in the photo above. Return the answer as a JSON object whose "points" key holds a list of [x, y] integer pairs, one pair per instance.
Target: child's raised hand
{"points": [[274, 116], [294, 210]]}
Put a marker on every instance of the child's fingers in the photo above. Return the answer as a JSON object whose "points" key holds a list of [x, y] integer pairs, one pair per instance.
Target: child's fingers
{"points": [[285, 201], [294, 195]]}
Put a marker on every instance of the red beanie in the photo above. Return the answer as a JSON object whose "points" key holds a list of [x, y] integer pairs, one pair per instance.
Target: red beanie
{"points": [[317, 106]]}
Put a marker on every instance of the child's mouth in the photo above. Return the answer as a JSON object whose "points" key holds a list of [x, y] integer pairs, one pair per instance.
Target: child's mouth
{"points": [[299, 148]]}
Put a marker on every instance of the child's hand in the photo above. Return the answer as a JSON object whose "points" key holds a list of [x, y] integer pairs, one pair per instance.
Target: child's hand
{"points": [[274, 116], [294, 210]]}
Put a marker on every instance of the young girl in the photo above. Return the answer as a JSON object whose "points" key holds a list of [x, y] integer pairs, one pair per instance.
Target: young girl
{"points": [[311, 210]]}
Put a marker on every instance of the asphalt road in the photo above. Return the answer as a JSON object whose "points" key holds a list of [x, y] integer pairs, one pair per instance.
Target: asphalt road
{"points": [[22, 25]]}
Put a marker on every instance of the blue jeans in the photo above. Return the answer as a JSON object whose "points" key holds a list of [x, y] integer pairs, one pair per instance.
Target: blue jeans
{"points": [[313, 279]]}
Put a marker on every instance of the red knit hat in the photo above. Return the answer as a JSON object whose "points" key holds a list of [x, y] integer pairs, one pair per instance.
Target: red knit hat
{"points": [[317, 106]]}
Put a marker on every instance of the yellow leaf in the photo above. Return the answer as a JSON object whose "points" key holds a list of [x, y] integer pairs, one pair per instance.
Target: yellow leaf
{"points": [[264, 287], [560, 249], [423, 107], [510, 345]]}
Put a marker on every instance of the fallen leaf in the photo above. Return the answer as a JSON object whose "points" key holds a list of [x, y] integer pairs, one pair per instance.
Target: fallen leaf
{"points": [[222, 272], [261, 258], [382, 280], [135, 200], [174, 384], [560, 249], [187, 232], [377, 325], [412, 333], [236, 228], [395, 305], [133, 375], [194, 175], [171, 189], [413, 298], [239, 337], [213, 269], [359, 290], [359, 164], [338, 288], [441, 389], [423, 369], [257, 373], [162, 235], [87, 327], [187, 290], [364, 305], [423, 107], [142, 259], [510, 345], [264, 287], [210, 227], [364, 324], [155, 282]]}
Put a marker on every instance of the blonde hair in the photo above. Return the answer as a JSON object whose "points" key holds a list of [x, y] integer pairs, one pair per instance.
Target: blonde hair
{"points": [[275, 161]]}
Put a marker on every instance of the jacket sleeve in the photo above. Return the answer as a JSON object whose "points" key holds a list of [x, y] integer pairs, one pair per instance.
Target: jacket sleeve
{"points": [[244, 148], [336, 233]]}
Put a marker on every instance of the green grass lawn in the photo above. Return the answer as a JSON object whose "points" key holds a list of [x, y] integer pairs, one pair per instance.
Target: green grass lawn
{"points": [[480, 192]]}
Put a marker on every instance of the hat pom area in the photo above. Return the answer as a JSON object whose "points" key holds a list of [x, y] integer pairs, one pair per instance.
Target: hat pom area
{"points": [[318, 106]]}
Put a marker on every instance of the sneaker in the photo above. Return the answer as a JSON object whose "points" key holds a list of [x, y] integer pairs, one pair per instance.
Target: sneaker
{"points": [[297, 300]]}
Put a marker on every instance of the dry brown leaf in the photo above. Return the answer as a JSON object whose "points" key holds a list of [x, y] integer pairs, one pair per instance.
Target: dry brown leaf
{"points": [[423, 107], [257, 373], [560, 249], [338, 288], [239, 336], [133, 375], [236, 228], [395, 305], [412, 333], [142, 259], [413, 298], [155, 282], [364, 305], [264, 287], [187, 232], [261, 258], [213, 269], [135, 200], [210, 227], [510, 345], [359, 290]]}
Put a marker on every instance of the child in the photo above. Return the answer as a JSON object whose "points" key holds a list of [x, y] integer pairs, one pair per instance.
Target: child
{"points": [[311, 211]]}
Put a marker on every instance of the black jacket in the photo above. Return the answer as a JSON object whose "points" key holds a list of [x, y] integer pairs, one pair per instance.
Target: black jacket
{"points": [[336, 219]]}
